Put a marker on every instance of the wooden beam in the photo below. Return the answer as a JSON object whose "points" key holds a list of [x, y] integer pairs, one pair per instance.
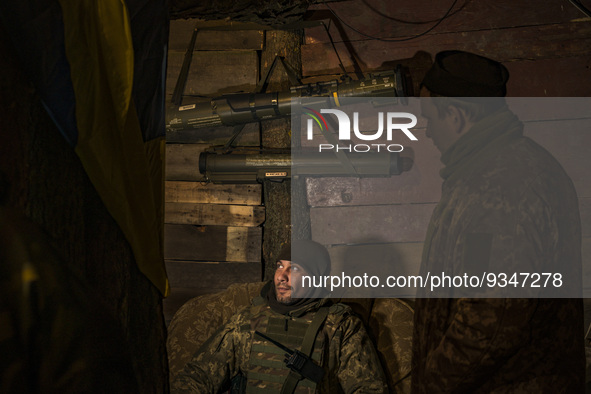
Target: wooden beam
{"points": [[212, 243], [213, 214], [208, 193], [276, 134]]}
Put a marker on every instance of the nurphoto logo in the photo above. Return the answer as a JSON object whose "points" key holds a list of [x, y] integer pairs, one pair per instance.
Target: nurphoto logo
{"points": [[390, 119]]}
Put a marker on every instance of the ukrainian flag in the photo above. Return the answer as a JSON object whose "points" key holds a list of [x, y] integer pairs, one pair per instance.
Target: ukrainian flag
{"points": [[99, 67]]}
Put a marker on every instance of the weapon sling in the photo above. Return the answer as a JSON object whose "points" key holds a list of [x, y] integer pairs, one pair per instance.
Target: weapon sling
{"points": [[293, 378]]}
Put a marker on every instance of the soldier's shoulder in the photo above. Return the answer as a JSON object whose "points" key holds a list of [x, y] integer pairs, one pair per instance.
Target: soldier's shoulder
{"points": [[339, 309], [339, 313], [244, 314]]}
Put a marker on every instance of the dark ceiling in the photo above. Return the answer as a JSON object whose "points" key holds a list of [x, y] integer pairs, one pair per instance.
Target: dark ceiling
{"points": [[264, 12]]}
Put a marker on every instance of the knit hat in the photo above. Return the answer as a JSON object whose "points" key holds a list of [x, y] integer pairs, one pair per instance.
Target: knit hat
{"points": [[310, 255], [464, 74]]}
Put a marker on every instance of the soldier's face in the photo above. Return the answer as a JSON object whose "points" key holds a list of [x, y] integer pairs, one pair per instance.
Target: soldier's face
{"points": [[441, 128], [287, 278]]}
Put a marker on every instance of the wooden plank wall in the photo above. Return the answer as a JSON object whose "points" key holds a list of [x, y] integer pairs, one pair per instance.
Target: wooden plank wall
{"points": [[213, 233], [545, 45]]}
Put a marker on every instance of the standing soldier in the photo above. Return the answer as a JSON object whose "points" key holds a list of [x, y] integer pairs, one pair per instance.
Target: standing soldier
{"points": [[506, 204]]}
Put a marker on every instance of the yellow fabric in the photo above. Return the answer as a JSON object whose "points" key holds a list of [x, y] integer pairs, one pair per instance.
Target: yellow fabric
{"points": [[110, 145]]}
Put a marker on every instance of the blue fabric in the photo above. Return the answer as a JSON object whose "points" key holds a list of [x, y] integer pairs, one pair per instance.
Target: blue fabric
{"points": [[149, 30], [36, 29]]}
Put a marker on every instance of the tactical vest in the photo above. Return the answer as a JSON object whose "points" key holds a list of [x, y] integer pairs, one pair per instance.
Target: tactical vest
{"points": [[266, 368]]}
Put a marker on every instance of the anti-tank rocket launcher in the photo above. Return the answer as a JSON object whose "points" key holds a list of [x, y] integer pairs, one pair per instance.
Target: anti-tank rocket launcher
{"points": [[238, 109]]}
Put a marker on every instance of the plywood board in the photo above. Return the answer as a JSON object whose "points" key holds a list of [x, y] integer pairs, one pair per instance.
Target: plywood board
{"points": [[377, 259], [351, 263], [371, 224]]}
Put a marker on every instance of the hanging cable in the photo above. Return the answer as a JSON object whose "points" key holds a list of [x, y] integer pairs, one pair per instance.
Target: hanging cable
{"points": [[581, 7], [341, 65], [395, 19], [447, 13]]}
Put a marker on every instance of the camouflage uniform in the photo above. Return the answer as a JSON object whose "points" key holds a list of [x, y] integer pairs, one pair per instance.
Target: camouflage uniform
{"points": [[342, 347], [505, 201]]}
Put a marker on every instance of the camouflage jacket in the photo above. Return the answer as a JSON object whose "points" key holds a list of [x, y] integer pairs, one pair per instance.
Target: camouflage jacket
{"points": [[505, 207], [343, 349]]}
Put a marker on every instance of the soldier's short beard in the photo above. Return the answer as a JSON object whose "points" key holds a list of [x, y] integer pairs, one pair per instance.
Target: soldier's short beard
{"points": [[284, 299]]}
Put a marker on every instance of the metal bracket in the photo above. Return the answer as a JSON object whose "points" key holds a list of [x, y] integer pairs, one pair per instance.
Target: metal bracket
{"points": [[179, 88], [264, 82]]}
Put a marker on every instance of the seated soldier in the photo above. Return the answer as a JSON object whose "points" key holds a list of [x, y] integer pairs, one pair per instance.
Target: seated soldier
{"points": [[291, 340]]}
